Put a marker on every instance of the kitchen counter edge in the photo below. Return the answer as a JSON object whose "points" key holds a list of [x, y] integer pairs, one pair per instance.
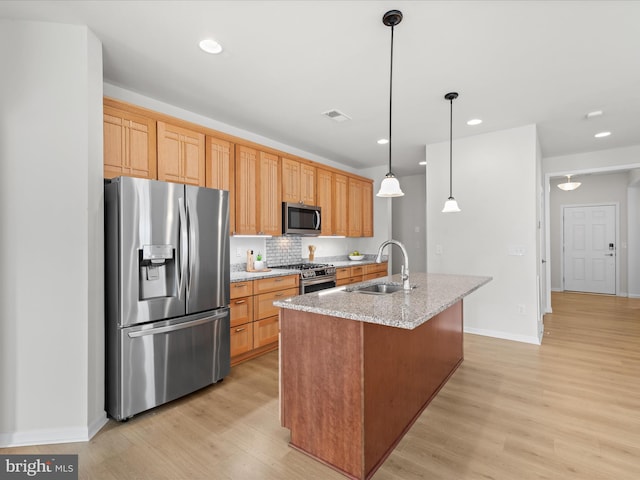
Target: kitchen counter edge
{"points": [[433, 294]]}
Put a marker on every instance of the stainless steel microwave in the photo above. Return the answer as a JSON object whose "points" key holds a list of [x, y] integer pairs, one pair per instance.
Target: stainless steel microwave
{"points": [[300, 219]]}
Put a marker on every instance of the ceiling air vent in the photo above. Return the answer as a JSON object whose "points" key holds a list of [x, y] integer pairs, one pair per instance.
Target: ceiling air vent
{"points": [[336, 116]]}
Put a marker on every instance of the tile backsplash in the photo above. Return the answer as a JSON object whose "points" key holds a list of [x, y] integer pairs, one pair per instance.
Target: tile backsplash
{"points": [[283, 250]]}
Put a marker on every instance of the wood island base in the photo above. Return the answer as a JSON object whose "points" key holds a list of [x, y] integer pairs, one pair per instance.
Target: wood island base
{"points": [[350, 390]]}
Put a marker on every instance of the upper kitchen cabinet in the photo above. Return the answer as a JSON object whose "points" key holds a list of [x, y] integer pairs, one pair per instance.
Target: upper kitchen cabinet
{"points": [[219, 170], [367, 209], [270, 206], [181, 155], [340, 204], [324, 195], [258, 199], [355, 208], [360, 209], [246, 182], [298, 182], [129, 144]]}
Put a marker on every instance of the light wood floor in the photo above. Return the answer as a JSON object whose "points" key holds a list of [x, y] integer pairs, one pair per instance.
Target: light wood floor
{"points": [[569, 409]]}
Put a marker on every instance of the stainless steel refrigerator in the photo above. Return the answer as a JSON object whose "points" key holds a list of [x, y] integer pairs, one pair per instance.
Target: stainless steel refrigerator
{"points": [[167, 292]]}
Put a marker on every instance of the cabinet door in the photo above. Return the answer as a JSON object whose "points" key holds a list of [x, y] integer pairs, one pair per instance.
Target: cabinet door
{"points": [[340, 202], [241, 311], [290, 180], [181, 155], [129, 144], [270, 206], [367, 209], [263, 303], [241, 339], [307, 184], [266, 331], [355, 208], [324, 192], [246, 197], [219, 167]]}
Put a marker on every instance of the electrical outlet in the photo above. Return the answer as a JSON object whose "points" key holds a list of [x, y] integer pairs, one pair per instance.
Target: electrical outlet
{"points": [[438, 249], [521, 309], [238, 252]]}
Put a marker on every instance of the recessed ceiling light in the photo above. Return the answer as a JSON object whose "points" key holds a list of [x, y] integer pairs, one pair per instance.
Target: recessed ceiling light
{"points": [[383, 141], [602, 134], [595, 113], [209, 45], [474, 121], [423, 162]]}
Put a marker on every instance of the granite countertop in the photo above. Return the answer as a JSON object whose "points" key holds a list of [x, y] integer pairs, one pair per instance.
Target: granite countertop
{"points": [[243, 276], [433, 294]]}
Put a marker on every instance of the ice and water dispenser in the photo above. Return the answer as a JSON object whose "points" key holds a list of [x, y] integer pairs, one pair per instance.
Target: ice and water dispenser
{"points": [[157, 271]]}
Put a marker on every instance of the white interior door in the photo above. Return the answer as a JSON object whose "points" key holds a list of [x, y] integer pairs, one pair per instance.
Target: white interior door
{"points": [[589, 249]]}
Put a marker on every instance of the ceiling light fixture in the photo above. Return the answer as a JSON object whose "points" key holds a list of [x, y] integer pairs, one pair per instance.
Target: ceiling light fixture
{"points": [[390, 187], [423, 162], [209, 45], [602, 134], [569, 185], [383, 141], [595, 113], [451, 206], [474, 121]]}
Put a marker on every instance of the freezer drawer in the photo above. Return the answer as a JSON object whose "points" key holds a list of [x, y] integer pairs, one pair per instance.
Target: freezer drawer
{"points": [[155, 363]]}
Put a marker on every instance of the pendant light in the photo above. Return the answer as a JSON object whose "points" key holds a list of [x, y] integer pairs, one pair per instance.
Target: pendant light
{"points": [[569, 185], [390, 187], [451, 206]]}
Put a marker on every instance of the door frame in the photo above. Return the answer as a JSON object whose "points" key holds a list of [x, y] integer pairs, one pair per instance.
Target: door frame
{"points": [[616, 206], [547, 220]]}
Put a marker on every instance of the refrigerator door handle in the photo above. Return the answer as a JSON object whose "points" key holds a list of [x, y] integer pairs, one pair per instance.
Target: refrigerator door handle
{"points": [[183, 244], [192, 247], [179, 326]]}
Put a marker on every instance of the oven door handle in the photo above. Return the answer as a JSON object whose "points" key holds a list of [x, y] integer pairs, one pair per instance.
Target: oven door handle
{"points": [[315, 281]]}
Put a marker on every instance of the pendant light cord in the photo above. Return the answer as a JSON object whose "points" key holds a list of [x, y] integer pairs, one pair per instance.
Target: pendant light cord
{"points": [[390, 97], [451, 150]]}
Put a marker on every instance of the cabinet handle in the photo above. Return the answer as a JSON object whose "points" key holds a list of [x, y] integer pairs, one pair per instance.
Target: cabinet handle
{"points": [[240, 329], [279, 295], [277, 279], [239, 285], [239, 302]]}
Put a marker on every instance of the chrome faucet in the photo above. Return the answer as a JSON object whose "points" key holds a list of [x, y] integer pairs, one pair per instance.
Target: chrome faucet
{"points": [[404, 271]]}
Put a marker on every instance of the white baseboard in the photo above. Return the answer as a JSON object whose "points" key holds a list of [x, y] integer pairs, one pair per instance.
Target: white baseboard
{"points": [[506, 336], [634, 295], [556, 289], [51, 436]]}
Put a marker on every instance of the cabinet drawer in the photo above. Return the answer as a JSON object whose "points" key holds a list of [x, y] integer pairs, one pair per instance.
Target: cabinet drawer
{"points": [[241, 289], [266, 331], [373, 276], [355, 271], [241, 339], [275, 283], [343, 272], [263, 304], [351, 280], [342, 281], [241, 310], [376, 268]]}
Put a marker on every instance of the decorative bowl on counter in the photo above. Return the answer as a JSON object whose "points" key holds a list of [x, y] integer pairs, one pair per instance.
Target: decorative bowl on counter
{"points": [[356, 257]]}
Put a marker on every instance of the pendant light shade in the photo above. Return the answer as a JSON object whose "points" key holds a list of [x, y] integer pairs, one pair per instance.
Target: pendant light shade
{"points": [[451, 206], [569, 185], [390, 187]]}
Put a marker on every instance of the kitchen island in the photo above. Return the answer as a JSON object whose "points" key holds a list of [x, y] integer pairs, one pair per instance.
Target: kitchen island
{"points": [[358, 369]]}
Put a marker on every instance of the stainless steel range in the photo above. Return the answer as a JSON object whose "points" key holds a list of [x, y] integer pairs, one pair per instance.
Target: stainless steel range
{"points": [[314, 276]]}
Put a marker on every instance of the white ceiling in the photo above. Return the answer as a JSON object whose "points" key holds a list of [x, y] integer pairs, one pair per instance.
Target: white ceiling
{"points": [[285, 62]]}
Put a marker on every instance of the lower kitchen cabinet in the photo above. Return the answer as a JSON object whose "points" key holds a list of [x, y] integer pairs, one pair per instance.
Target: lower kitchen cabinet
{"points": [[255, 325], [360, 273]]}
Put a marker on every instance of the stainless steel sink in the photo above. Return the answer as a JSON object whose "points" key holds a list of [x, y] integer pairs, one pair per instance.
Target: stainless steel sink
{"points": [[379, 288]]}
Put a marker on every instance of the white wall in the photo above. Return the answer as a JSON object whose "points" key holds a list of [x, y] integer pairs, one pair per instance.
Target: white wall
{"points": [[633, 224], [51, 288], [595, 189], [409, 223], [494, 181], [601, 160]]}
